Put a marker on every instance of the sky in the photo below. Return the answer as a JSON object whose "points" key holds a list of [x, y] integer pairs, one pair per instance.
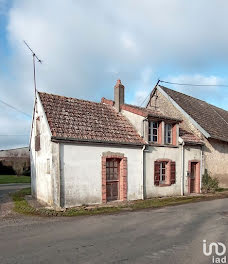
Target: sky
{"points": [[87, 45]]}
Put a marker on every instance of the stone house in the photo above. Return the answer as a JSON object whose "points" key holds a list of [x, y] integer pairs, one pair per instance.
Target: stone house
{"points": [[85, 152], [206, 121]]}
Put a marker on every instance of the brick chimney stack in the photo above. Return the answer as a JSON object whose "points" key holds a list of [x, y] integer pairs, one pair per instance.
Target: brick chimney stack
{"points": [[118, 95]]}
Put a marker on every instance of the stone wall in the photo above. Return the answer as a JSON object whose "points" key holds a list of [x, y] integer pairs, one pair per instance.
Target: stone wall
{"points": [[216, 160]]}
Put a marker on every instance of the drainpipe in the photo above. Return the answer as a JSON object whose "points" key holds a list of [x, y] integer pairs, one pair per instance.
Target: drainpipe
{"points": [[182, 161], [143, 149]]}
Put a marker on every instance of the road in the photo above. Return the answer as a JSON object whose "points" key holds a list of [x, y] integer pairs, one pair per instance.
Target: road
{"points": [[12, 187], [167, 235]]}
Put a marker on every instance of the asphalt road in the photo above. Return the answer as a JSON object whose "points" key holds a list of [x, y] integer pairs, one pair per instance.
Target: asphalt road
{"points": [[12, 187], [168, 235]]}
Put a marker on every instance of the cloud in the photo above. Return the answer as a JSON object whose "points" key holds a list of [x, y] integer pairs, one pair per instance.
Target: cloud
{"points": [[87, 46], [144, 87]]}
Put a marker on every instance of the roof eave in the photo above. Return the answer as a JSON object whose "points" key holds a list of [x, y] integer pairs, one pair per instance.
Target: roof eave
{"points": [[165, 118], [192, 143], [219, 138], [68, 140]]}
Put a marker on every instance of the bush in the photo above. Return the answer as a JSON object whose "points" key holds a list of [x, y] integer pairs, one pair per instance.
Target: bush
{"points": [[209, 184], [6, 170]]}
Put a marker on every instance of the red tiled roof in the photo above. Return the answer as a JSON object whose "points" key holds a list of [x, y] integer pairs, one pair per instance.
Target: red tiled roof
{"points": [[74, 119], [212, 119], [189, 137]]}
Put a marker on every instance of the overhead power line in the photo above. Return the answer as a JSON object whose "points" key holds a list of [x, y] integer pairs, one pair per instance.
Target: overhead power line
{"points": [[185, 84], [190, 84], [18, 110], [149, 94], [144, 100]]}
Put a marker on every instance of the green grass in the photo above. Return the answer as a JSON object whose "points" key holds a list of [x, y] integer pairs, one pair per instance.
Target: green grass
{"points": [[221, 189], [161, 202], [23, 207], [4, 179]]}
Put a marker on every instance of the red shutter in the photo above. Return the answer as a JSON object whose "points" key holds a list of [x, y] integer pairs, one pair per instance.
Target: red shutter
{"points": [[160, 133], [156, 172], [173, 172], [174, 135]]}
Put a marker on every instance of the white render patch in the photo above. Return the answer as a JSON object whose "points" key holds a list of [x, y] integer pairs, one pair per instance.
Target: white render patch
{"points": [[135, 120], [159, 153], [81, 177], [43, 182]]}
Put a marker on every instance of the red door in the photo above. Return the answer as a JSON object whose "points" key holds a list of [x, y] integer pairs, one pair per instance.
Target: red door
{"points": [[112, 179], [193, 177]]}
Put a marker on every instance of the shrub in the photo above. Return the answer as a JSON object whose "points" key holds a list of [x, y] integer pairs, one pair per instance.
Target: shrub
{"points": [[6, 170], [209, 184]]}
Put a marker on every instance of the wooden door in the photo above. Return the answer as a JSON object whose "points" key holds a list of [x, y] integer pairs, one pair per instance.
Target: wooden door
{"points": [[112, 179], [193, 177]]}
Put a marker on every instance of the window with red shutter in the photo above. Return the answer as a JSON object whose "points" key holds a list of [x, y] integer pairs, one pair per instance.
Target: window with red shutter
{"points": [[164, 173], [156, 172], [173, 172]]}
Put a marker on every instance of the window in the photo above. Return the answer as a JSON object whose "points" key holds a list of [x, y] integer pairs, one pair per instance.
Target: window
{"points": [[163, 172], [153, 131], [168, 134]]}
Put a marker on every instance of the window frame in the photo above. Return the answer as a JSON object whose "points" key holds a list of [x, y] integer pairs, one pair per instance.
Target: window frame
{"points": [[151, 130], [169, 177], [166, 136], [163, 175]]}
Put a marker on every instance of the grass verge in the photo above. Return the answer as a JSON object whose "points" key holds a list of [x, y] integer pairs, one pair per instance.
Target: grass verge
{"points": [[23, 207], [4, 179]]}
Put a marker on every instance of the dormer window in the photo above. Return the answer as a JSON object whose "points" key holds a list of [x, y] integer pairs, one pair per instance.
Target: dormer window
{"points": [[168, 133], [162, 132], [153, 131]]}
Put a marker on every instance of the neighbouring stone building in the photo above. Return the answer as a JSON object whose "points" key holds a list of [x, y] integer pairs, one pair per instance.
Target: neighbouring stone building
{"points": [[85, 152], [15, 161], [207, 121]]}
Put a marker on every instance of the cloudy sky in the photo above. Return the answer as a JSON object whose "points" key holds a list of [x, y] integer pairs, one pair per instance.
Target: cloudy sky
{"points": [[86, 45]]}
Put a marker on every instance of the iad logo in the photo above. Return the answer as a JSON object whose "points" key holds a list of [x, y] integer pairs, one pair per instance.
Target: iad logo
{"points": [[219, 250]]}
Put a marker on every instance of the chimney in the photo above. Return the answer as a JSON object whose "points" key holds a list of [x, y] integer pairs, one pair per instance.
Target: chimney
{"points": [[118, 95]]}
